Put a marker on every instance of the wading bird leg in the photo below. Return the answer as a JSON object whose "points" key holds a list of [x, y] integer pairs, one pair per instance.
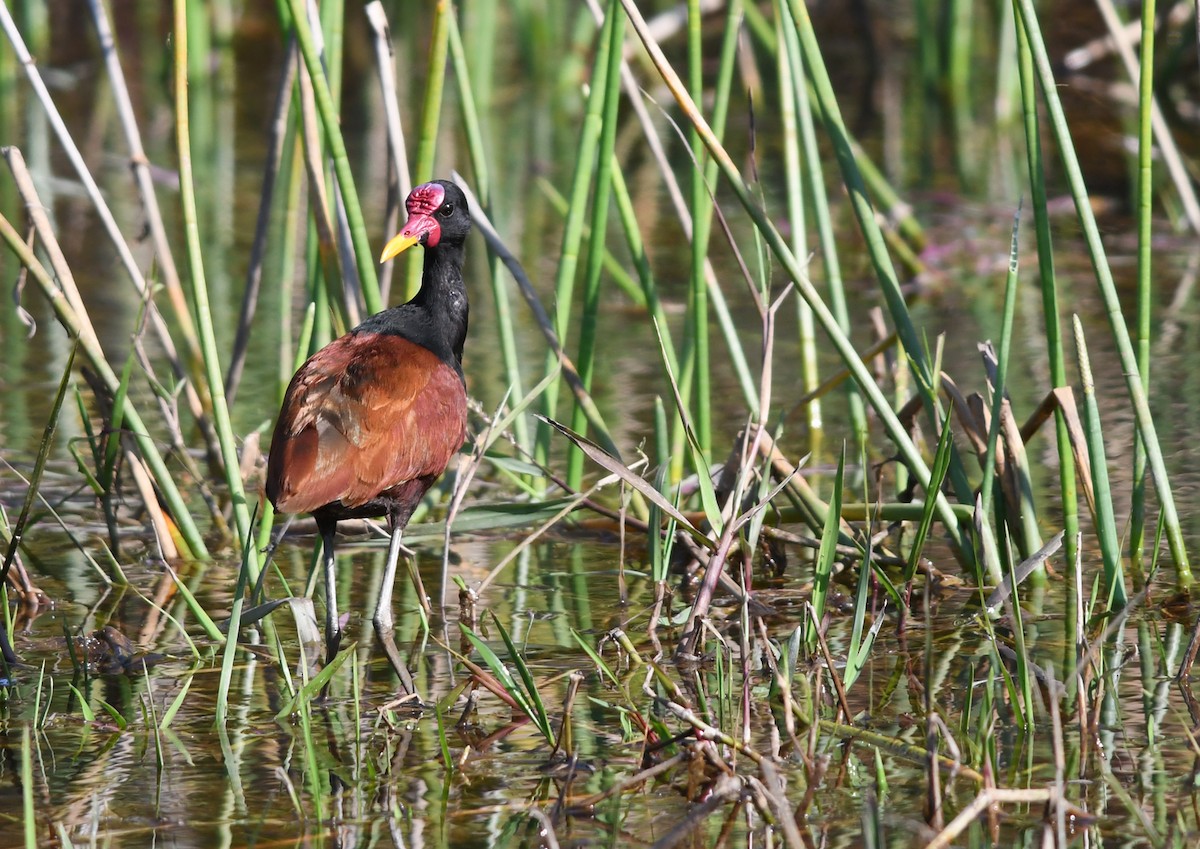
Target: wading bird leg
{"points": [[384, 624], [333, 630]]}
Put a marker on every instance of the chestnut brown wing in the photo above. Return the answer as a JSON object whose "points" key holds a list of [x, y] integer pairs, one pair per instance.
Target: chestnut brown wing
{"points": [[366, 413]]}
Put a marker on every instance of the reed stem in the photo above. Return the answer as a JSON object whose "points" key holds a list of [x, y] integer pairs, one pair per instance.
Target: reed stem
{"points": [[1145, 285], [331, 124], [1108, 293], [201, 306], [586, 359]]}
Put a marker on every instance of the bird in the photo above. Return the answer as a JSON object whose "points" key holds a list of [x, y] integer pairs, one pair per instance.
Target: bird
{"points": [[371, 420]]}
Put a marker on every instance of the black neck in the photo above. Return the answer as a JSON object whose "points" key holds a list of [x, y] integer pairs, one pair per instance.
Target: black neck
{"points": [[442, 274], [443, 294], [436, 317]]}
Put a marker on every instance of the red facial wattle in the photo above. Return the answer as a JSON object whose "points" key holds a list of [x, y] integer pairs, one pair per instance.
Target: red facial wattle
{"points": [[422, 226]]}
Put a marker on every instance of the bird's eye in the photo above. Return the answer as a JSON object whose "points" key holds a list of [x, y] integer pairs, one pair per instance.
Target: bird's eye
{"points": [[446, 210]]}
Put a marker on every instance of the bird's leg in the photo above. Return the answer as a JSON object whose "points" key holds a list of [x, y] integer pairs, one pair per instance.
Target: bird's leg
{"points": [[383, 607], [384, 623], [333, 630]]}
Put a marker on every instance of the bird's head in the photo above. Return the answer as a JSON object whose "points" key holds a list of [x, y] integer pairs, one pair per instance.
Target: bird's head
{"points": [[437, 214]]}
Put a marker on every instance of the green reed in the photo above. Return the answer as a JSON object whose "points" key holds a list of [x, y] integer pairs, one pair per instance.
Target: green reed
{"points": [[819, 202], [471, 93], [1022, 504], [1048, 286], [1103, 517], [431, 114], [862, 636], [564, 283], [201, 305], [1145, 288], [790, 68], [864, 213], [1129, 365], [781, 251], [331, 126], [823, 566], [593, 265], [695, 365], [900, 216], [29, 818], [665, 708]]}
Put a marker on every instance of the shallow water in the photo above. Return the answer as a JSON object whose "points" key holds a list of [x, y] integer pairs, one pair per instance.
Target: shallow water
{"points": [[365, 771]]}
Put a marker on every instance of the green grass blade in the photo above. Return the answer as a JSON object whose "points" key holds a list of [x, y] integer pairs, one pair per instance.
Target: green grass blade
{"points": [[299, 703], [206, 622], [1106, 523], [169, 714], [515, 690], [941, 462], [596, 659], [823, 568], [115, 715], [39, 466], [531, 689], [85, 709], [443, 743], [859, 650], [229, 652], [29, 812]]}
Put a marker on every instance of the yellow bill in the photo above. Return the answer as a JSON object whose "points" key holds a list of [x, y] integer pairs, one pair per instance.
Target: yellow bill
{"points": [[399, 243]]}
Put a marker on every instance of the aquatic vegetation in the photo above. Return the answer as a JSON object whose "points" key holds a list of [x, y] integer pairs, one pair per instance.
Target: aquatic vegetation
{"points": [[783, 516]]}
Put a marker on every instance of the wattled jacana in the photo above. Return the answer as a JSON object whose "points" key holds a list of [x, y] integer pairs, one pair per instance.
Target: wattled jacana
{"points": [[370, 421]]}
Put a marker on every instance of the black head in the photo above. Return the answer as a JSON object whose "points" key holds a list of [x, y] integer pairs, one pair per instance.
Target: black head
{"points": [[437, 215]]}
